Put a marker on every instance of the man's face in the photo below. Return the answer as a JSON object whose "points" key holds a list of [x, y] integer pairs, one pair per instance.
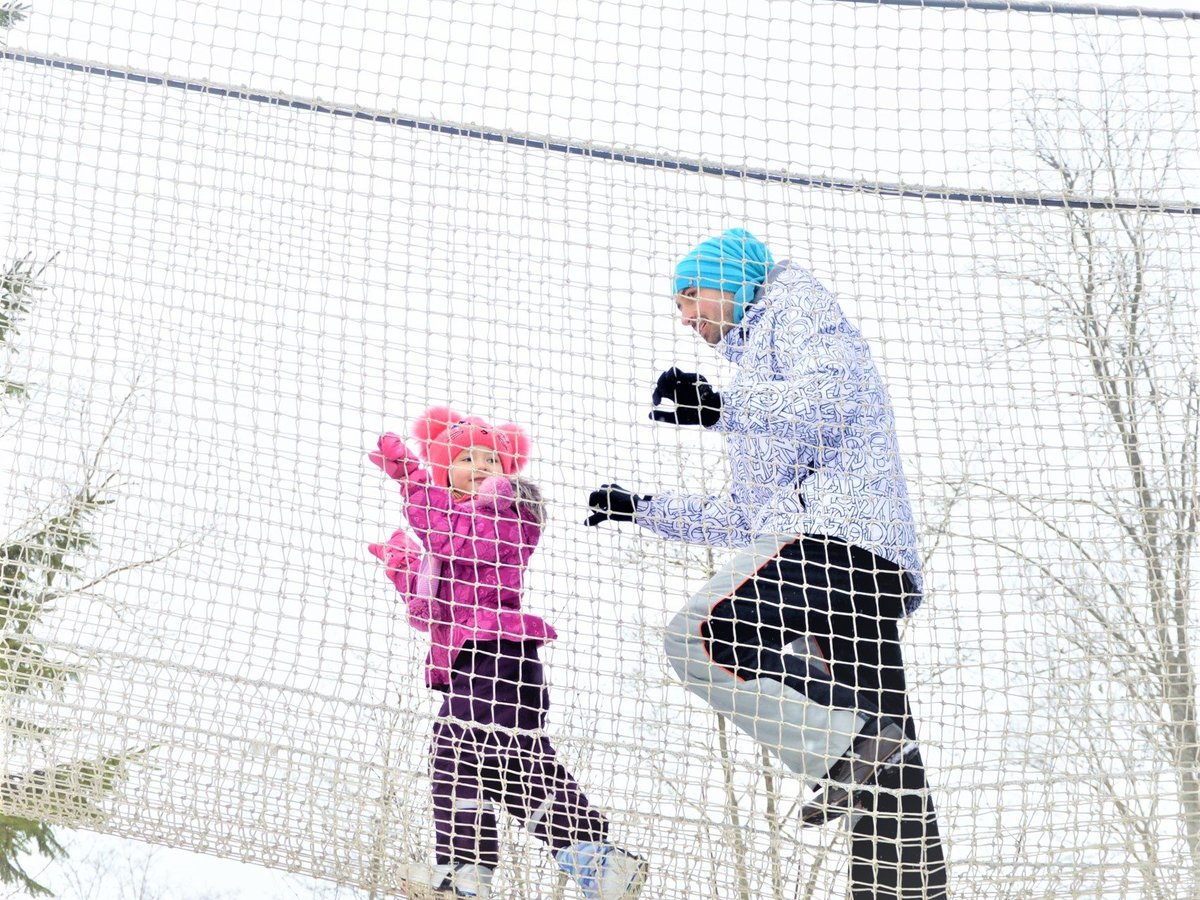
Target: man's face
{"points": [[707, 311]]}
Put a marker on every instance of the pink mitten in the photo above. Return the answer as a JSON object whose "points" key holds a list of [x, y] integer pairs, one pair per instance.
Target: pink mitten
{"points": [[394, 457], [496, 492]]}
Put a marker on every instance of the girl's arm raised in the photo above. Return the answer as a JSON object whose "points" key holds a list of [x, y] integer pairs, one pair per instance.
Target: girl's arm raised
{"points": [[427, 509], [400, 463]]}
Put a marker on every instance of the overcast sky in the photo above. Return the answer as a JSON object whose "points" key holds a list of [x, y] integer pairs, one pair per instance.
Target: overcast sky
{"points": [[263, 290]]}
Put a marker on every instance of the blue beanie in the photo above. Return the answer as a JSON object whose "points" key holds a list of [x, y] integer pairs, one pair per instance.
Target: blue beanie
{"points": [[735, 261]]}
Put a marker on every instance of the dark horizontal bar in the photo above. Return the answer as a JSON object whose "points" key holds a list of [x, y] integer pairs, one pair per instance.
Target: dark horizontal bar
{"points": [[1032, 6], [630, 157]]}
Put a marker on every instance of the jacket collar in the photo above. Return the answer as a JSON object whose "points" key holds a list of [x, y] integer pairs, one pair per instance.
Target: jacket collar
{"points": [[733, 345]]}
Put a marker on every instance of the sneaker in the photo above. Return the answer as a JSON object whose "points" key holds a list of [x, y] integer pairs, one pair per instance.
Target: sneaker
{"points": [[856, 771], [602, 871], [444, 882]]}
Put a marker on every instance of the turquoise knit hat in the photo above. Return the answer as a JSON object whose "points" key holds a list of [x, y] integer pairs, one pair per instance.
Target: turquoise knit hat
{"points": [[735, 261]]}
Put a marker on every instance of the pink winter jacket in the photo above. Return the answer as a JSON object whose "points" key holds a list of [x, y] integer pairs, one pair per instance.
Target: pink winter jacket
{"points": [[480, 547]]}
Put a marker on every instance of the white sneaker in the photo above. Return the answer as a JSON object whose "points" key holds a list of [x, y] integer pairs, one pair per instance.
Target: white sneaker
{"points": [[422, 882], [602, 871]]}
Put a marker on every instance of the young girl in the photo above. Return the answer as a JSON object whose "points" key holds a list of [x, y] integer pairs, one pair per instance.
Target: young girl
{"points": [[478, 525]]}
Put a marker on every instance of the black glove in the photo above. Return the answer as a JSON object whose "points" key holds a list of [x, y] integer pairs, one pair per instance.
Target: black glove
{"points": [[696, 403], [612, 502]]}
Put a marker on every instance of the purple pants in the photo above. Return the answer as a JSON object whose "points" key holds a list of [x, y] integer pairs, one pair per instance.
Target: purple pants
{"points": [[488, 749]]}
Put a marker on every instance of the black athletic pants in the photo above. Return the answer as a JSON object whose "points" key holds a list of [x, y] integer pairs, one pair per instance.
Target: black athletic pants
{"points": [[848, 601]]}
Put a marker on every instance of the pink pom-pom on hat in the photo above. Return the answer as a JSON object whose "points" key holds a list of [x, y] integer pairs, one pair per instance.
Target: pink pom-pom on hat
{"points": [[443, 434]]}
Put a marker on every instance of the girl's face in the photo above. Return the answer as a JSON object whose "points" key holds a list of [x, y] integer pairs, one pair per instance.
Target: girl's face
{"points": [[469, 469], [707, 311]]}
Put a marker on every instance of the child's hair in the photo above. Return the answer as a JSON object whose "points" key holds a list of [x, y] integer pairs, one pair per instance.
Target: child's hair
{"points": [[528, 497], [443, 434]]}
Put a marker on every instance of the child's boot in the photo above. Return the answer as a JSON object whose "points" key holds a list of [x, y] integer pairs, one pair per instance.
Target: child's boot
{"points": [[443, 882], [467, 880], [602, 871]]}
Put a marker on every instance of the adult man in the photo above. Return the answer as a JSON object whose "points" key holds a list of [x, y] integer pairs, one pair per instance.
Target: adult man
{"points": [[819, 509]]}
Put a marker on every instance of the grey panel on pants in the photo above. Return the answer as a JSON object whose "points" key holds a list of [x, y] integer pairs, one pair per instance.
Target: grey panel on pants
{"points": [[806, 736]]}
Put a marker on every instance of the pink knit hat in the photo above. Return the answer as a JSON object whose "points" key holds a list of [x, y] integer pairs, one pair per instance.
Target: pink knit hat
{"points": [[443, 434]]}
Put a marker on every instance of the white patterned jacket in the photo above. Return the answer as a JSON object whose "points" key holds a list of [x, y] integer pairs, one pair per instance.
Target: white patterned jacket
{"points": [[810, 434]]}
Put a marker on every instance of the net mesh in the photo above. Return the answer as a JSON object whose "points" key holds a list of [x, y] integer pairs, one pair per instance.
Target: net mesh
{"points": [[266, 235]]}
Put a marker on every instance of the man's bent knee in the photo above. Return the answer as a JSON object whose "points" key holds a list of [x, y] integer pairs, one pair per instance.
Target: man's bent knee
{"points": [[686, 650]]}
